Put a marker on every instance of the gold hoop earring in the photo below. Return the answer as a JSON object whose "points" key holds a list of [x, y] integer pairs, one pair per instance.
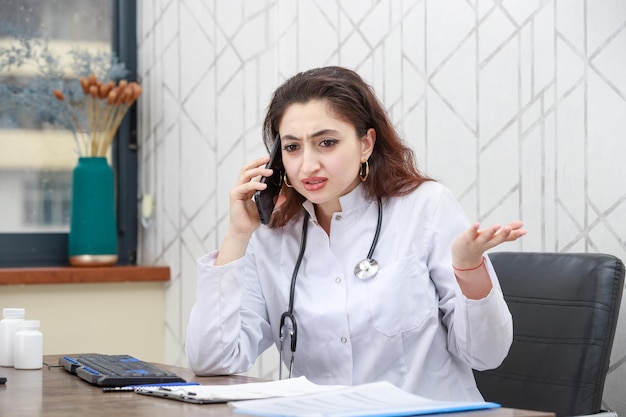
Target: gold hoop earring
{"points": [[364, 172], [286, 181]]}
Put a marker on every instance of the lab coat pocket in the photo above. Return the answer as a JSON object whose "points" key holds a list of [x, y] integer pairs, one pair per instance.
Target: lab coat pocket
{"points": [[400, 297]]}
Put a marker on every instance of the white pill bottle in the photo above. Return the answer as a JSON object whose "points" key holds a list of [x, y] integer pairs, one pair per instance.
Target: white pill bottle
{"points": [[9, 325], [28, 347]]}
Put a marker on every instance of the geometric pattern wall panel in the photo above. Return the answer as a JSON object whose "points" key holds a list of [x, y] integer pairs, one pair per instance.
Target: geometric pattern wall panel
{"points": [[518, 106]]}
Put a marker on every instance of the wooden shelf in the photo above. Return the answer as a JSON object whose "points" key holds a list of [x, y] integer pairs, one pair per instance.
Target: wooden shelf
{"points": [[73, 275]]}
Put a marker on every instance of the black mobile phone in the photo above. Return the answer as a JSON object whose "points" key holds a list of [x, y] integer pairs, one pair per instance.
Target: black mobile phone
{"points": [[266, 199]]}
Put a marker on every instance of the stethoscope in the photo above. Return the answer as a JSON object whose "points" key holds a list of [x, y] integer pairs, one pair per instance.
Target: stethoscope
{"points": [[364, 270]]}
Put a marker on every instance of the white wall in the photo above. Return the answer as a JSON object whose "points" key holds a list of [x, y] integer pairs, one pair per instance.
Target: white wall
{"points": [[518, 106], [111, 318]]}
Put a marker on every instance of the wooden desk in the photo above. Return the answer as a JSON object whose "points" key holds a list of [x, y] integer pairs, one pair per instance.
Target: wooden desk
{"points": [[53, 392]]}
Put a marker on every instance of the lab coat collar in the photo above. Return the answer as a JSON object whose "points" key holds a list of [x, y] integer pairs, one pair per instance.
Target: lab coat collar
{"points": [[349, 202]]}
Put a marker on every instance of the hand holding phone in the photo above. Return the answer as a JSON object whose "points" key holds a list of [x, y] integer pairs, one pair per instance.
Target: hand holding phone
{"points": [[266, 199]]}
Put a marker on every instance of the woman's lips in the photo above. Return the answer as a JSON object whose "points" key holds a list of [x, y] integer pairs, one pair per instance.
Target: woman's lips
{"points": [[314, 184]]}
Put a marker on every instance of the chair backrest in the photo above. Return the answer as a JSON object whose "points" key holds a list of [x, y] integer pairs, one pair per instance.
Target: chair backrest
{"points": [[565, 308]]}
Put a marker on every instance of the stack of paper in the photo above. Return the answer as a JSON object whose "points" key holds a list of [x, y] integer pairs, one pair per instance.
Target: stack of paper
{"points": [[375, 399], [299, 397], [206, 394]]}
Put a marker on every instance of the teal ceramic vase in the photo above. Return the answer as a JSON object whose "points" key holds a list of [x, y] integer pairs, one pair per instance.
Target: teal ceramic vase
{"points": [[93, 229]]}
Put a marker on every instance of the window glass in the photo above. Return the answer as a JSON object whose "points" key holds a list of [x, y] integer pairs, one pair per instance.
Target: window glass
{"points": [[37, 152]]}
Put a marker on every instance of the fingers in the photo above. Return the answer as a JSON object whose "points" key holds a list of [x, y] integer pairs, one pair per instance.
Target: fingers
{"points": [[513, 231], [473, 230], [243, 214], [482, 236], [254, 169], [516, 225], [496, 234], [248, 181], [474, 242]]}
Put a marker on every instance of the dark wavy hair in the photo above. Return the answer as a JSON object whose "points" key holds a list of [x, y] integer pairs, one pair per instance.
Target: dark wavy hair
{"points": [[393, 170]]}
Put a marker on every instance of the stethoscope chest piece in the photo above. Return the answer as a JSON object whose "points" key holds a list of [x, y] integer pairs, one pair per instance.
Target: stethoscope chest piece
{"points": [[366, 269]]}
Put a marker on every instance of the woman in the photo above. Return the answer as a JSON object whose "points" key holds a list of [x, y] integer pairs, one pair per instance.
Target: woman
{"points": [[433, 311]]}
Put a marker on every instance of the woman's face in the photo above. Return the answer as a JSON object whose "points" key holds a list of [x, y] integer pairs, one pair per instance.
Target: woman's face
{"points": [[322, 154]]}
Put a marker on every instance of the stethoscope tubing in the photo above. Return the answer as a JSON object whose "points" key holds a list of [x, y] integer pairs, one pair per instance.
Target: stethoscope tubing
{"points": [[379, 222], [288, 315]]}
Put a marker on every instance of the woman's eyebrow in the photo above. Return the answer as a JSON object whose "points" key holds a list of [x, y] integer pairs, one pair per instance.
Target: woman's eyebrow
{"points": [[314, 135]]}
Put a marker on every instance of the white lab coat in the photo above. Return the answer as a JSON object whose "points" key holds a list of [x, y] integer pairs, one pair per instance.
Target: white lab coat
{"points": [[409, 325]]}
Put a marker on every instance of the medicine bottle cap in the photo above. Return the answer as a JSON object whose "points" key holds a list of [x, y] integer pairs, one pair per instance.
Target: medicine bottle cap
{"points": [[29, 324], [13, 312]]}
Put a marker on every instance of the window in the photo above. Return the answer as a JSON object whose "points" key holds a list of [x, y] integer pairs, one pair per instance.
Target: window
{"points": [[46, 200], [36, 158]]}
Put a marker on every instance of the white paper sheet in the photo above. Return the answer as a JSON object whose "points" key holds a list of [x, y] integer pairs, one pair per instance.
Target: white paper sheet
{"points": [[375, 399], [223, 393]]}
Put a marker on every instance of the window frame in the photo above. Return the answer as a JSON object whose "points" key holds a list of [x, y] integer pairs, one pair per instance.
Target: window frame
{"points": [[50, 249]]}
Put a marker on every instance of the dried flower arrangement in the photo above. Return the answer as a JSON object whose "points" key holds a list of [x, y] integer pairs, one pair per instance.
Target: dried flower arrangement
{"points": [[81, 96], [105, 105]]}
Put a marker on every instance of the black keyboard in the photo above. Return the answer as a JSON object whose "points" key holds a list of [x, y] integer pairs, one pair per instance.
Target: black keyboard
{"points": [[116, 370]]}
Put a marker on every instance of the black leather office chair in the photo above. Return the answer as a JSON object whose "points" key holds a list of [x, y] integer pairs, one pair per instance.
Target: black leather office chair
{"points": [[565, 308]]}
